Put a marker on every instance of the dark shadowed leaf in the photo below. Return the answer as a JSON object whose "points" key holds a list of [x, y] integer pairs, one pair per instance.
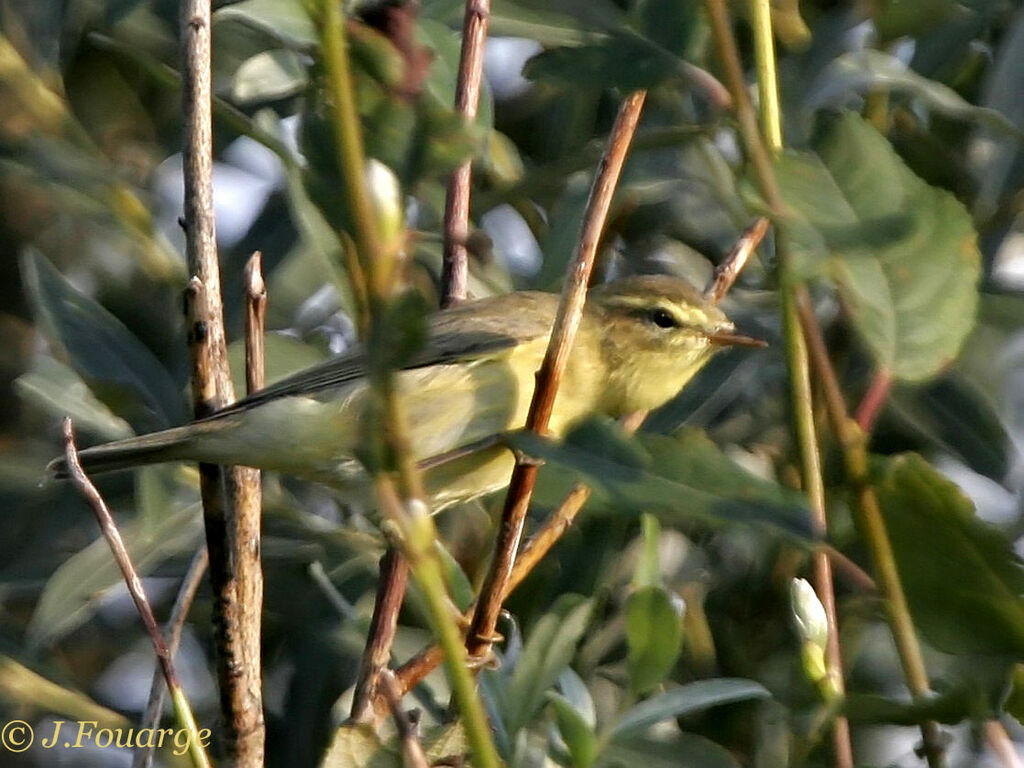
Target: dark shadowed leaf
{"points": [[681, 478], [285, 20], [683, 750], [121, 372], [904, 254], [962, 578]]}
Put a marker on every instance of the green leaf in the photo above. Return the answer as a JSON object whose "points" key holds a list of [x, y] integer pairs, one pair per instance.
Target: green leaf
{"points": [[683, 750], [548, 650], [284, 20], [71, 594], [685, 700], [624, 61], [268, 76], [358, 746], [459, 587], [577, 734], [963, 581], [284, 355], [684, 478], [904, 254], [654, 636], [648, 567], [865, 70], [119, 370]]}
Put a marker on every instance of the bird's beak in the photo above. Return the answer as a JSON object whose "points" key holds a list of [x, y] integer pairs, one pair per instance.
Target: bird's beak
{"points": [[732, 339]]}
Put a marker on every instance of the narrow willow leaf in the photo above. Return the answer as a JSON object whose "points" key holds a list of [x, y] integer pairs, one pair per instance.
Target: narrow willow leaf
{"points": [[684, 700]]}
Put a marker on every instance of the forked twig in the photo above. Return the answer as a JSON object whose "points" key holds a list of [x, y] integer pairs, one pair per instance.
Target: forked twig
{"points": [[111, 533]]}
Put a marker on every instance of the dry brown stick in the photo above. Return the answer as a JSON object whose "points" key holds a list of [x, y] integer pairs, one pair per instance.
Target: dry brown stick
{"points": [[570, 310], [874, 400], [412, 750], [730, 268], [394, 574], [455, 266], [143, 757], [131, 579], [239, 683]]}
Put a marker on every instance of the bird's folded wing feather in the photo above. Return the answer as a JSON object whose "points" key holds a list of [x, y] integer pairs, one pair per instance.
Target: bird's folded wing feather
{"points": [[468, 332]]}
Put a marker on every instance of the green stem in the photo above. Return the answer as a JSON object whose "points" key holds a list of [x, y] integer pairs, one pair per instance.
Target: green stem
{"points": [[402, 504], [799, 375]]}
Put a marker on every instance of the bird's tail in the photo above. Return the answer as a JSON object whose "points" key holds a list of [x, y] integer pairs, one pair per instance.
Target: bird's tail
{"points": [[168, 445]]}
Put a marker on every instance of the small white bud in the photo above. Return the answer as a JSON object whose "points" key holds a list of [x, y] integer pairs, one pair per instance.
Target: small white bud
{"points": [[808, 613], [386, 196]]}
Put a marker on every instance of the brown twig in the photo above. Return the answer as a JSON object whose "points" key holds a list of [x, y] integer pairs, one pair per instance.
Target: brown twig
{"points": [[131, 578], [394, 573], [570, 310], [874, 400], [412, 750], [220, 489], [1002, 745], [455, 267], [730, 268], [143, 757]]}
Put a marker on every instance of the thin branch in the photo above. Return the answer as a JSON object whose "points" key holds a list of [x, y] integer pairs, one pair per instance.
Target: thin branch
{"points": [[455, 267], [221, 489], [796, 346], [143, 757], [730, 268], [394, 573], [412, 750], [1002, 745], [570, 310], [874, 400], [131, 578]]}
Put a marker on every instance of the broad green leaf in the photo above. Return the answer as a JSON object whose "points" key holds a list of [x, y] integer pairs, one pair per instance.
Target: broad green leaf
{"points": [[58, 390], [121, 372], [70, 596], [964, 583], [904, 254], [680, 478], [654, 637], [549, 648], [577, 734], [268, 76], [624, 60], [685, 700], [285, 20]]}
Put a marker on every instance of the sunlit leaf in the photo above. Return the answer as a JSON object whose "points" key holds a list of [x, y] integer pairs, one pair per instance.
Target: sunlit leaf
{"points": [[904, 254], [268, 76], [685, 700], [654, 634]]}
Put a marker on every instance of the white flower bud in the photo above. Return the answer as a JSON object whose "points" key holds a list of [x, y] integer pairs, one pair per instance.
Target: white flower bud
{"points": [[386, 196], [808, 613]]}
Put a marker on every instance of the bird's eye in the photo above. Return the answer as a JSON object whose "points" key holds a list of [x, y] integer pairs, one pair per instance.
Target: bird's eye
{"points": [[663, 318]]}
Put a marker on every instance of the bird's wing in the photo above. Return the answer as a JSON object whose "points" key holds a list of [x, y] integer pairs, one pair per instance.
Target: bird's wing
{"points": [[468, 332]]}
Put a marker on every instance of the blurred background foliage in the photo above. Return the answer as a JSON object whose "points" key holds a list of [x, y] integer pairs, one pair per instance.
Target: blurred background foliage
{"points": [[904, 205]]}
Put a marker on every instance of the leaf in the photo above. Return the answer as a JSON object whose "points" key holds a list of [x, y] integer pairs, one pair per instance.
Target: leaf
{"points": [[283, 354], [954, 416], [357, 746], [268, 76], [684, 478], [285, 20], [904, 254], [683, 750], [548, 650], [624, 61], [963, 580], [121, 372], [685, 700], [576, 732], [71, 594], [865, 70], [654, 637]]}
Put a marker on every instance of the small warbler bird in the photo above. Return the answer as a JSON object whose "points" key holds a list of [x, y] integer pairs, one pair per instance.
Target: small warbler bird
{"points": [[641, 339]]}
